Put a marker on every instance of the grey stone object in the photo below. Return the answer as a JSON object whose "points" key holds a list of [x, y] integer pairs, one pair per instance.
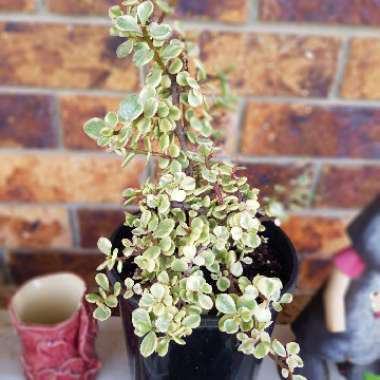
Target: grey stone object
{"points": [[358, 348]]}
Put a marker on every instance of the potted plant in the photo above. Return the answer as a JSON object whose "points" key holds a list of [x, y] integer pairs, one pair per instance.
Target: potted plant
{"points": [[200, 270]]}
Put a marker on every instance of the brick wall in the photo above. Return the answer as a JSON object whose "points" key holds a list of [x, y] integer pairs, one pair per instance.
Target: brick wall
{"points": [[308, 79]]}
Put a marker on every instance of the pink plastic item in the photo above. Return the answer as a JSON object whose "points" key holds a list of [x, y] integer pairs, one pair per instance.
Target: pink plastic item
{"points": [[350, 263], [56, 329]]}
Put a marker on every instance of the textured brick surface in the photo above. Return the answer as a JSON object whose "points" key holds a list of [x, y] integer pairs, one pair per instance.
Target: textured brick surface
{"points": [[322, 236], [313, 273], [56, 55], [80, 7], [94, 223], [362, 73], [302, 130], [17, 5], [26, 121], [22, 226], [291, 311], [65, 178], [223, 10], [273, 64], [24, 265], [76, 110], [354, 12], [348, 187], [266, 176]]}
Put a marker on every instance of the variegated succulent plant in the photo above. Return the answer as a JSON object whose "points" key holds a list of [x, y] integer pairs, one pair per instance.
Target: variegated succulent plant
{"points": [[199, 223]]}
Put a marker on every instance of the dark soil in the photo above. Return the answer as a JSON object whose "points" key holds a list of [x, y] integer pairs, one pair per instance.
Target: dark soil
{"points": [[265, 261]]}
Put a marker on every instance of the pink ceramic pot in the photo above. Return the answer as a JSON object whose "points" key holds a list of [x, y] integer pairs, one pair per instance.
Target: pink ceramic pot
{"points": [[56, 328]]}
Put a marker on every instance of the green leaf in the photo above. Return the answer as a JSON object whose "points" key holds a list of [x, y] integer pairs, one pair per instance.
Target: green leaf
{"points": [[144, 11], [150, 107], [131, 108], [152, 252], [236, 269], [143, 56], [105, 246], [158, 291], [171, 51], [93, 127], [160, 31], [293, 348], [102, 280], [193, 321], [179, 265], [205, 302], [178, 195], [148, 345], [225, 304], [230, 326], [262, 350], [195, 98], [188, 184], [125, 49], [223, 284], [111, 119], [92, 298], [175, 66], [278, 348], [164, 228], [162, 347], [102, 313], [374, 377], [286, 298], [141, 321], [127, 24]]}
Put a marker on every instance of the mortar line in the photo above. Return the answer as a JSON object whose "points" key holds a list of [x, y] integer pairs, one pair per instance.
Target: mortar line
{"points": [[337, 161], [284, 160], [321, 212], [62, 91], [242, 113], [40, 6], [315, 183], [253, 11], [253, 98], [340, 71], [56, 122], [259, 26], [75, 206], [74, 225]]}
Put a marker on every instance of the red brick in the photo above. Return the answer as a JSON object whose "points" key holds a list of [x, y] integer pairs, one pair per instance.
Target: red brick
{"points": [[313, 273], [234, 11], [322, 236], [348, 186], [34, 227], [273, 64], [352, 12], [94, 223], [266, 176], [24, 265], [26, 121], [292, 310], [17, 5], [362, 73], [302, 130], [65, 178], [56, 55], [80, 7], [76, 110]]}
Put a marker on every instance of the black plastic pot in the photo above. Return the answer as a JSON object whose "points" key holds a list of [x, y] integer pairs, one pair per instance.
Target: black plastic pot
{"points": [[208, 354]]}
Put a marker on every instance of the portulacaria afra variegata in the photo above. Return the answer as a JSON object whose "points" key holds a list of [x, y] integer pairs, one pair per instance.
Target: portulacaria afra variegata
{"points": [[199, 223]]}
